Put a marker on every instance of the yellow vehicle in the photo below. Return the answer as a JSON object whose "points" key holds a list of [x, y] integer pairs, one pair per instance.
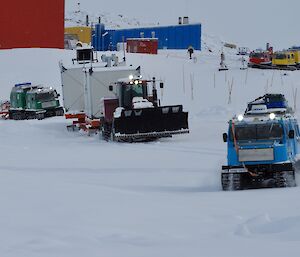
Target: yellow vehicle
{"points": [[284, 58]]}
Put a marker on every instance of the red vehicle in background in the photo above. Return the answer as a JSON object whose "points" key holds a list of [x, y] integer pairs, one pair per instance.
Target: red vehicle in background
{"points": [[260, 58]]}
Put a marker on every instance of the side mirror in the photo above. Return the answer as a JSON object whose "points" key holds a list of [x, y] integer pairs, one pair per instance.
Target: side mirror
{"points": [[291, 134], [111, 88], [161, 85], [225, 137]]}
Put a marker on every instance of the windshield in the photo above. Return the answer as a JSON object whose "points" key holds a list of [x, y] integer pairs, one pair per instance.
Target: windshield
{"points": [[258, 132], [280, 56], [257, 55], [275, 98], [71, 37], [46, 96], [129, 92]]}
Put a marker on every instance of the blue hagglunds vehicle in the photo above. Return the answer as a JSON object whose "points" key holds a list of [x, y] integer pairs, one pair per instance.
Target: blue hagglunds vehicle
{"points": [[262, 146]]}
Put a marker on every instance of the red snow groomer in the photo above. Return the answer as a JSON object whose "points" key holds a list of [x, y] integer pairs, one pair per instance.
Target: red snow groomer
{"points": [[260, 59]]}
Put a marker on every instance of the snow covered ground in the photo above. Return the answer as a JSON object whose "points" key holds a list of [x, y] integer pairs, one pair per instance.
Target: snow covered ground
{"points": [[66, 194]]}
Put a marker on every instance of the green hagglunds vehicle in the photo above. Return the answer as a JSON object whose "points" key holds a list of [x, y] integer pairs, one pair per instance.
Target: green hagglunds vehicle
{"points": [[33, 102]]}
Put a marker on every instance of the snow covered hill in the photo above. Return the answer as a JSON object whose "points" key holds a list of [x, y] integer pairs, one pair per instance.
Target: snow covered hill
{"points": [[111, 21], [249, 23], [66, 194]]}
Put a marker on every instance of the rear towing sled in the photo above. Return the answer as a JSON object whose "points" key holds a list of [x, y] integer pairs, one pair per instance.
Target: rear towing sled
{"points": [[84, 123], [135, 116]]}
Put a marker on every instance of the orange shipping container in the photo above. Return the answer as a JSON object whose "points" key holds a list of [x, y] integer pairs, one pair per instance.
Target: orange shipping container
{"points": [[32, 23]]}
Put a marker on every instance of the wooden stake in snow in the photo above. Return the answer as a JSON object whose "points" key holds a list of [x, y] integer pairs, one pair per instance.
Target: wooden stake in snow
{"points": [[244, 64], [267, 86], [246, 78], [183, 78], [161, 86], [281, 78], [295, 92], [272, 80], [124, 50], [192, 85], [230, 87], [214, 80]]}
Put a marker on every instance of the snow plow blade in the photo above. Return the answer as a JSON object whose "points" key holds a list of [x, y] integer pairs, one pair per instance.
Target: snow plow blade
{"points": [[150, 123], [258, 176]]}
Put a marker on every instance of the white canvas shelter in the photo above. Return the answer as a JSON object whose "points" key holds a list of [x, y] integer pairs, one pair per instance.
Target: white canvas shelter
{"points": [[74, 80]]}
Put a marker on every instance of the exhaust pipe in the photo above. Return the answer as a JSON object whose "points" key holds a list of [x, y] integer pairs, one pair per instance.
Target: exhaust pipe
{"points": [[154, 92]]}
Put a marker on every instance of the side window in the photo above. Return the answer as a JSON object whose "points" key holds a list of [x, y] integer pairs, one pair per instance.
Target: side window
{"points": [[286, 129], [297, 130]]}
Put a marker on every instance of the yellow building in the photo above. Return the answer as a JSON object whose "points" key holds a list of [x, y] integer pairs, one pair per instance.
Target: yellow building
{"points": [[84, 34]]}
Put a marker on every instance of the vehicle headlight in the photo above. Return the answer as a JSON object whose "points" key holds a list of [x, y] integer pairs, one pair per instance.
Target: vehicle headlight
{"points": [[272, 116]]}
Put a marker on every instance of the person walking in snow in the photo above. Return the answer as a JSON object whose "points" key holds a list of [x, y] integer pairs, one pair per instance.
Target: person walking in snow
{"points": [[222, 63], [244, 65], [191, 51]]}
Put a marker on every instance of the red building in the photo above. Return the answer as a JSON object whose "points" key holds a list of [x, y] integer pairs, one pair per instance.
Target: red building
{"points": [[32, 23]]}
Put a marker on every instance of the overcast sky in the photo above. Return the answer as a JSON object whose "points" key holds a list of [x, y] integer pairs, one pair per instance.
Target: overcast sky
{"points": [[247, 22]]}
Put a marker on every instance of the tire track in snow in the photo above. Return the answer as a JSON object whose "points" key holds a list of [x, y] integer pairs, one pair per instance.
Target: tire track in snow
{"points": [[183, 149]]}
